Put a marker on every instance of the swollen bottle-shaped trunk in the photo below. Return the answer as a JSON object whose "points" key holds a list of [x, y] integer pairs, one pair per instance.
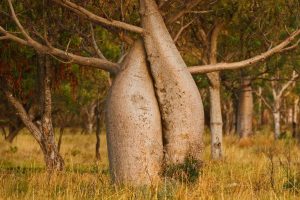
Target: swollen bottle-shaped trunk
{"points": [[134, 124], [245, 109], [179, 99]]}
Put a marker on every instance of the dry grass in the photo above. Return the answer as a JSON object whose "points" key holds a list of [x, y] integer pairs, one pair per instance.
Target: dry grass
{"points": [[256, 169]]}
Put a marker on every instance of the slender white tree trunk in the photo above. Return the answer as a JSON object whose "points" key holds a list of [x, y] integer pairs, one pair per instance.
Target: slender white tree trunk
{"points": [[134, 132], [276, 116], [245, 109], [216, 123], [178, 96]]}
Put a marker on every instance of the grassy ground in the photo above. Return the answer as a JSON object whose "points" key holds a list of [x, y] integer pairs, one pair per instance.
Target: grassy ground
{"points": [[254, 169]]}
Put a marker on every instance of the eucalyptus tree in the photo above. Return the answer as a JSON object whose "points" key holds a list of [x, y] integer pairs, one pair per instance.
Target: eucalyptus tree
{"points": [[162, 123], [280, 84], [230, 30]]}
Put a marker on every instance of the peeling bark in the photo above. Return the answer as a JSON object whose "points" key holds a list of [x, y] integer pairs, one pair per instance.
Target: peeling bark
{"points": [[134, 133], [178, 96]]}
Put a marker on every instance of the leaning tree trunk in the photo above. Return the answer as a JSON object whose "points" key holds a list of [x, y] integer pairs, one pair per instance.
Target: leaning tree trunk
{"points": [[178, 96], [133, 122], [245, 109], [216, 122]]}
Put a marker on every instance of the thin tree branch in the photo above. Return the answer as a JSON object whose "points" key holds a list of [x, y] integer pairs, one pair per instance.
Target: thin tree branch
{"points": [[187, 8], [287, 84], [72, 58], [99, 20], [181, 30], [98, 51], [21, 112], [264, 100], [294, 46], [244, 63]]}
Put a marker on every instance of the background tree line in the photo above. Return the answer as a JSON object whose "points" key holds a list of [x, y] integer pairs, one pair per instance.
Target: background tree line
{"points": [[48, 80]]}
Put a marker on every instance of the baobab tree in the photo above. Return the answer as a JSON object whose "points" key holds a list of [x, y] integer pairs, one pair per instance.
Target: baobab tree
{"points": [[169, 109]]}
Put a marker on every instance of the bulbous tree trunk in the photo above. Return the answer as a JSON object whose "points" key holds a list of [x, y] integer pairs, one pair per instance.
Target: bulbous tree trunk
{"points": [[133, 122], [245, 109], [178, 96]]}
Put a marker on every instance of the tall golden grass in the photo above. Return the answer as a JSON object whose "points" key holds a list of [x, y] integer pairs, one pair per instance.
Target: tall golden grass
{"points": [[259, 168]]}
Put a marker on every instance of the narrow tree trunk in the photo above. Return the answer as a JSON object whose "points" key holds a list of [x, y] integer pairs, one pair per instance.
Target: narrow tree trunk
{"points": [[52, 157], [61, 132], [178, 96], [260, 108], [295, 117], [245, 109], [228, 113], [98, 130], [216, 123], [276, 116], [88, 117], [134, 133]]}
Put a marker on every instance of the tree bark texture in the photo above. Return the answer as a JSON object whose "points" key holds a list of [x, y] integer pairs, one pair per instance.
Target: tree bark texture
{"points": [[216, 122], [134, 132], [51, 154], [178, 96]]}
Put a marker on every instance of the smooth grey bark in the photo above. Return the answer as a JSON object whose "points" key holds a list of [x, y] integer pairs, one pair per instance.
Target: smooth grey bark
{"points": [[277, 127], [278, 93], [245, 109], [134, 132], [216, 122], [178, 96]]}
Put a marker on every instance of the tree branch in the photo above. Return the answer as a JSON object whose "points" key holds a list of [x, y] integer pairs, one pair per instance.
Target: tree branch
{"points": [[187, 8], [72, 58], [99, 20], [287, 84], [23, 115], [181, 30], [244, 63], [264, 100], [98, 51]]}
